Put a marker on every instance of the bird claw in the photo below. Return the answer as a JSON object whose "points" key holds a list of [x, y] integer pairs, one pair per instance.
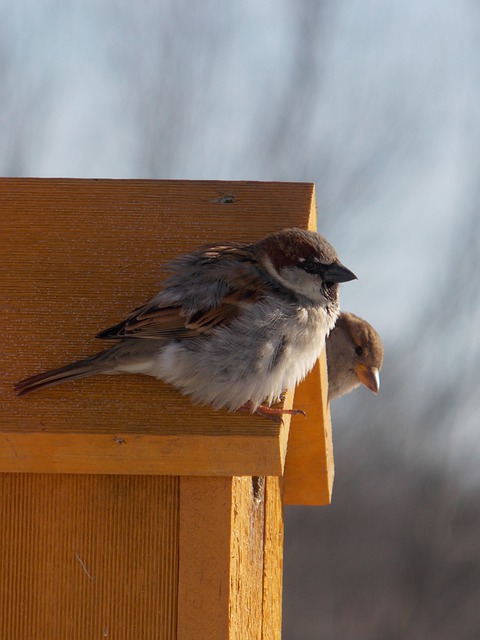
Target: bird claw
{"points": [[273, 413]]}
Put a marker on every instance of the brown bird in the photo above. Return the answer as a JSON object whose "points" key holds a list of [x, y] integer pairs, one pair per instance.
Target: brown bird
{"points": [[233, 327], [354, 356]]}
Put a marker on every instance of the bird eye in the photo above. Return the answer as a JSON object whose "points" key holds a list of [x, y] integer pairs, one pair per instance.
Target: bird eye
{"points": [[359, 351], [309, 265]]}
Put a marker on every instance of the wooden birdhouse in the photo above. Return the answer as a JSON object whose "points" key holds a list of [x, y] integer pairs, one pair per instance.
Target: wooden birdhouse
{"points": [[126, 511]]}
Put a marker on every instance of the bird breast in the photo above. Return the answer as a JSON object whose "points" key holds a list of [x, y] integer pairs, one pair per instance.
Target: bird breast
{"points": [[268, 349]]}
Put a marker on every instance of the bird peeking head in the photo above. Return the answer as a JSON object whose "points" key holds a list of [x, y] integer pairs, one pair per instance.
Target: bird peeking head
{"points": [[354, 356]]}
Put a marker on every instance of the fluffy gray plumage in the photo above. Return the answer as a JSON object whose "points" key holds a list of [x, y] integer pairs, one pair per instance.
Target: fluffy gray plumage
{"points": [[234, 325]]}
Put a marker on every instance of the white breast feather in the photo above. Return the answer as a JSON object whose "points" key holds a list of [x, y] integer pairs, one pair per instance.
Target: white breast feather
{"points": [[234, 364]]}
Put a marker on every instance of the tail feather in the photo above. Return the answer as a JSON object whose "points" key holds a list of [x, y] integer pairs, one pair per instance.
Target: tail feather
{"points": [[80, 369]]}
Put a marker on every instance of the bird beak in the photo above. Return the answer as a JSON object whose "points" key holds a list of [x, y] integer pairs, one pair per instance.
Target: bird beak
{"points": [[336, 272], [368, 376]]}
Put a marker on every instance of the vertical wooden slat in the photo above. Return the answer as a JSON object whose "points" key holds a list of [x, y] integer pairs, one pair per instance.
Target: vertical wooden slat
{"points": [[246, 569], [88, 557], [273, 560], [223, 572], [309, 464], [204, 562]]}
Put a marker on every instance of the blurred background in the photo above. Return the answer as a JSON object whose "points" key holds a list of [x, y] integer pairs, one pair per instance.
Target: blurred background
{"points": [[377, 103]]}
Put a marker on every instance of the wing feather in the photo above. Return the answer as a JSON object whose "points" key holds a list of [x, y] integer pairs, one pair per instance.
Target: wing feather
{"points": [[206, 290]]}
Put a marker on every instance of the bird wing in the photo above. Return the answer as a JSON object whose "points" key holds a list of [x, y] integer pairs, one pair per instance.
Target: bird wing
{"points": [[206, 290]]}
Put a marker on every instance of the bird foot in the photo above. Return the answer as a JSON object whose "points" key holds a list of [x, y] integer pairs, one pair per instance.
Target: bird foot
{"points": [[273, 413]]}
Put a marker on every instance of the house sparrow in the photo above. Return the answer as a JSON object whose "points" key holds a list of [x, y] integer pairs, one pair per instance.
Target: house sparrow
{"points": [[234, 326], [354, 356]]}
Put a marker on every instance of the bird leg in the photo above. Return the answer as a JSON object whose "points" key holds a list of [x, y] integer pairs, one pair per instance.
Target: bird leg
{"points": [[270, 412]]}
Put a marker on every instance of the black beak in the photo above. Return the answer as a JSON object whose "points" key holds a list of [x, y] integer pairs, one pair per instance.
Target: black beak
{"points": [[336, 272]]}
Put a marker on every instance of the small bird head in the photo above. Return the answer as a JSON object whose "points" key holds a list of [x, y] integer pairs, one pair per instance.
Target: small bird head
{"points": [[305, 263], [354, 355]]}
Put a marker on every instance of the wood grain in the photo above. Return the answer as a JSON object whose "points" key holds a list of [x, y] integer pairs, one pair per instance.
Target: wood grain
{"points": [[273, 560], [88, 557], [79, 254], [116, 535], [231, 548], [204, 565], [76, 256], [309, 466]]}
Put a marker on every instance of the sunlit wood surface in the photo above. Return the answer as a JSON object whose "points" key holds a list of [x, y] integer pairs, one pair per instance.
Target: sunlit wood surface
{"points": [[104, 511]]}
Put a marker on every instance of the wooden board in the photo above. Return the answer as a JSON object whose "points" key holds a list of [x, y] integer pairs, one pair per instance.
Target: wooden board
{"points": [[152, 551], [77, 255], [309, 467], [91, 556], [126, 557], [231, 550]]}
